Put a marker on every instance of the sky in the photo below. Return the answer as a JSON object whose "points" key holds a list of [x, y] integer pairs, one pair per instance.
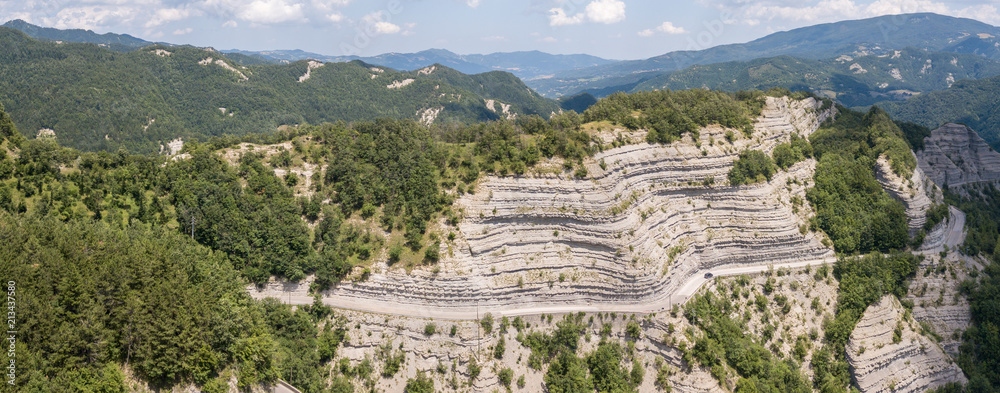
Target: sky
{"points": [[613, 29]]}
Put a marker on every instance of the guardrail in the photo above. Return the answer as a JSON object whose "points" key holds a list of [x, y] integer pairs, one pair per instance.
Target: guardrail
{"points": [[283, 387]]}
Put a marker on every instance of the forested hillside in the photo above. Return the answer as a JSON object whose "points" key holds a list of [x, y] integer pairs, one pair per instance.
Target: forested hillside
{"points": [[851, 80], [975, 103], [132, 267], [97, 99], [879, 35]]}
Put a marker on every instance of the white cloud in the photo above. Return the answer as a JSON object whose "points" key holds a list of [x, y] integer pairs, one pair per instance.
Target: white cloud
{"points": [[495, 38], [230, 24], [606, 11], [183, 31], [549, 40], [90, 18], [473, 3], [558, 17], [167, 15], [327, 5], [271, 11], [378, 23], [810, 12], [408, 29], [666, 27], [597, 11], [335, 17]]}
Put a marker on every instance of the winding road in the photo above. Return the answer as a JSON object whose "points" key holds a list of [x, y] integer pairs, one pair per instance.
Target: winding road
{"points": [[955, 235]]}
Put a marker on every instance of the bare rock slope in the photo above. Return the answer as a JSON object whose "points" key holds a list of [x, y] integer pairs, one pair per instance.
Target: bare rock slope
{"points": [[648, 218], [918, 193], [886, 354], [955, 155]]}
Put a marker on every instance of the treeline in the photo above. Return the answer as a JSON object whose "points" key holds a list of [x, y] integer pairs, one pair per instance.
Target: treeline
{"points": [[920, 71], [969, 102], [668, 115], [755, 166], [851, 206], [863, 281], [109, 279], [978, 356], [95, 294], [98, 99], [726, 344], [601, 370]]}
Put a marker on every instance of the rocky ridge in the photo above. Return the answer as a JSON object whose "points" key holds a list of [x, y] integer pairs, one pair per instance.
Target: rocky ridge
{"points": [[955, 155], [886, 354], [648, 218], [425, 353], [918, 193]]}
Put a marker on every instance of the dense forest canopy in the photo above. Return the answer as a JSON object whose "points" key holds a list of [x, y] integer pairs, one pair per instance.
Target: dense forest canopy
{"points": [[98, 99], [141, 262], [853, 81], [975, 103]]}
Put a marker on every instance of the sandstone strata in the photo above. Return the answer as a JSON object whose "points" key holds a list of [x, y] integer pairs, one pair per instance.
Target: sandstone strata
{"points": [[917, 193], [644, 222], [955, 155], [886, 354], [936, 298]]}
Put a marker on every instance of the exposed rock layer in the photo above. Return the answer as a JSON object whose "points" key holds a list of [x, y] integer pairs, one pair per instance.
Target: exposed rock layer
{"points": [[649, 218], [913, 363], [917, 193], [955, 155]]}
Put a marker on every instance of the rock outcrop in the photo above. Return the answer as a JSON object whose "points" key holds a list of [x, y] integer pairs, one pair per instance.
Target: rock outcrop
{"points": [[955, 155], [648, 218], [886, 354], [937, 303], [917, 193]]}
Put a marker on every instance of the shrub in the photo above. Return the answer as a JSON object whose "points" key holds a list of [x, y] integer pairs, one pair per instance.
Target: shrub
{"points": [[487, 323], [506, 376], [753, 166]]}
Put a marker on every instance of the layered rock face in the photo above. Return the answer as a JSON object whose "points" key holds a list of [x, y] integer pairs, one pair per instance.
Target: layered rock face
{"points": [[917, 193], [937, 301], [649, 218], [886, 354], [955, 155]]}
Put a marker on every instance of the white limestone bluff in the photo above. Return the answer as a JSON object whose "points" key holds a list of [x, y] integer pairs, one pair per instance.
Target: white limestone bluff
{"points": [[887, 354], [400, 84], [918, 193], [312, 65], [631, 234], [222, 63], [955, 155]]}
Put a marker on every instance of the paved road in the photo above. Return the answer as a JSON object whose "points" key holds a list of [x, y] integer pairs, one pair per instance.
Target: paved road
{"points": [[956, 230], [955, 237], [470, 313]]}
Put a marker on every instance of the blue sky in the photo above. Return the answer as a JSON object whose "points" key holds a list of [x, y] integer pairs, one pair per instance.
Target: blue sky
{"points": [[617, 29]]}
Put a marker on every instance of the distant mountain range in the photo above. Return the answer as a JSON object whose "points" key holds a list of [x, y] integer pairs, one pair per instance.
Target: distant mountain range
{"points": [[98, 99], [858, 62], [526, 65], [975, 103], [854, 81], [117, 42], [873, 36]]}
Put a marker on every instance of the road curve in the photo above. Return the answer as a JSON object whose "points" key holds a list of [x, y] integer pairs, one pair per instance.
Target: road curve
{"points": [[442, 313], [954, 237]]}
